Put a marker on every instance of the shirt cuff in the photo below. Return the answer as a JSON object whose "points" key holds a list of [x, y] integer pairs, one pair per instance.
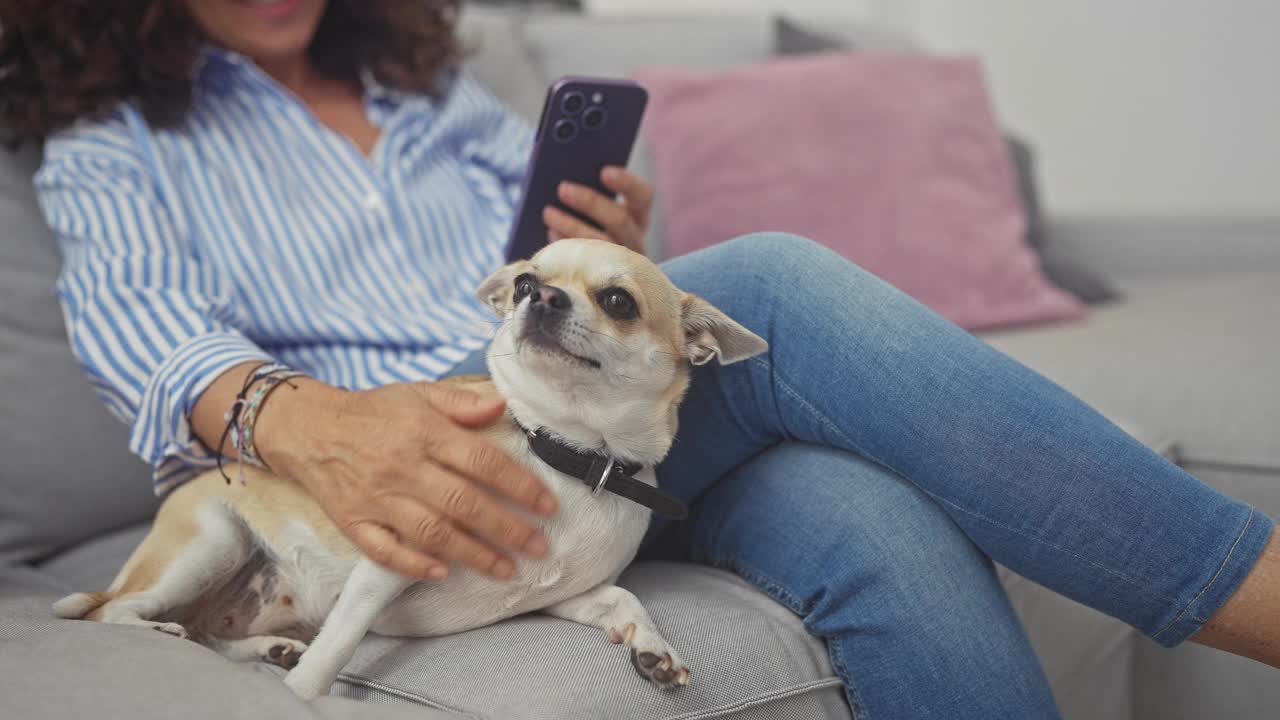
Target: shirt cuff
{"points": [[161, 433]]}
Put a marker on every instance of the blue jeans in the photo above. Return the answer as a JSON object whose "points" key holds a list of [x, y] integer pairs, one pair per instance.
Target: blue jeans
{"points": [[867, 469]]}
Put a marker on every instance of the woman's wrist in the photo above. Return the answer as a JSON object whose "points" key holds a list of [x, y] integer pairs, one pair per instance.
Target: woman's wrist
{"points": [[290, 415]]}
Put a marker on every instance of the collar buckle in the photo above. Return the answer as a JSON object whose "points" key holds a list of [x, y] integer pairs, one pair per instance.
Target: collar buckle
{"points": [[603, 472], [604, 476]]}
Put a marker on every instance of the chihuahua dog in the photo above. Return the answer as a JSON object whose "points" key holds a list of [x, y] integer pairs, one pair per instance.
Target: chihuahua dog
{"points": [[593, 357]]}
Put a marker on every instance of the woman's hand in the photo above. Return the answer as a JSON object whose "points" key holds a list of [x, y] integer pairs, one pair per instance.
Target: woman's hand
{"points": [[625, 221], [403, 473]]}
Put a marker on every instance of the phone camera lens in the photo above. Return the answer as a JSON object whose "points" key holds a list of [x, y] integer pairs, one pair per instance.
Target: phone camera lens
{"points": [[572, 103], [565, 130], [594, 118]]}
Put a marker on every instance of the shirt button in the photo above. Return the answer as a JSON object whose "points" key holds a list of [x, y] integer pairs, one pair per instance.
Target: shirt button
{"points": [[372, 201]]}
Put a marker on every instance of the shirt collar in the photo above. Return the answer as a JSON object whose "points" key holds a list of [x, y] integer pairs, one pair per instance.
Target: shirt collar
{"points": [[216, 68], [376, 92]]}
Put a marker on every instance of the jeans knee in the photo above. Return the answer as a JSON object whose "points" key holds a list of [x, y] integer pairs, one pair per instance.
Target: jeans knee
{"points": [[778, 263], [773, 280], [779, 250]]}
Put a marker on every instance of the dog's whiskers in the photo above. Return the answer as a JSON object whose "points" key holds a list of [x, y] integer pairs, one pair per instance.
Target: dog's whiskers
{"points": [[607, 336]]}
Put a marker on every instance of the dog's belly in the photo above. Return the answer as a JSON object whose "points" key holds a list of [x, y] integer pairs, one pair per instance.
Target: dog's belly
{"points": [[259, 599], [590, 550]]}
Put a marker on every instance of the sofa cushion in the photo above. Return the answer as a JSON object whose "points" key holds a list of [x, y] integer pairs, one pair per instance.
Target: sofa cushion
{"points": [[750, 657], [51, 668], [1196, 360], [67, 474], [92, 565], [1087, 656]]}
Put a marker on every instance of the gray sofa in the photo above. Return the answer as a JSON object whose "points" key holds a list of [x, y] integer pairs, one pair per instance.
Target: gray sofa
{"points": [[1186, 360]]}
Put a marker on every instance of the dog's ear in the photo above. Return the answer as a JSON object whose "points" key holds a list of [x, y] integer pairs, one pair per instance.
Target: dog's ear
{"points": [[496, 290], [709, 333]]}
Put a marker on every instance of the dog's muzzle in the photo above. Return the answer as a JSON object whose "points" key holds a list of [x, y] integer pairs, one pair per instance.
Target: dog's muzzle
{"points": [[548, 308]]}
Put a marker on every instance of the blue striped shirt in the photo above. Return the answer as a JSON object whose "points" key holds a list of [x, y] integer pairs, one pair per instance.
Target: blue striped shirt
{"points": [[253, 232]]}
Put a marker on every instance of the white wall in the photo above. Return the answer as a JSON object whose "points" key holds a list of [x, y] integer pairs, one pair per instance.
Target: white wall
{"points": [[1149, 107], [1162, 107]]}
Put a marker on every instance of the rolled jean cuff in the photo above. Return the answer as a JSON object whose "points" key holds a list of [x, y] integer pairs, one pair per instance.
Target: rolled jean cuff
{"points": [[1235, 566]]}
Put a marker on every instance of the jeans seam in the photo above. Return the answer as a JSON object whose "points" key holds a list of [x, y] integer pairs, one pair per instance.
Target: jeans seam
{"points": [[771, 587], [813, 411], [835, 650], [1225, 561], [826, 422], [781, 595], [1023, 534], [736, 412]]}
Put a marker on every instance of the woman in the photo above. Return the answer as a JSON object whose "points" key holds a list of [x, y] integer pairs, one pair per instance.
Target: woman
{"points": [[312, 183]]}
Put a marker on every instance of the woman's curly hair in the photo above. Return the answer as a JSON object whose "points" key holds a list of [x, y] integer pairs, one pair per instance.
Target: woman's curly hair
{"points": [[61, 60]]}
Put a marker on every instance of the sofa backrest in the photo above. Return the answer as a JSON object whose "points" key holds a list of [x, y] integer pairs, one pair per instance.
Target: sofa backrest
{"points": [[65, 472]]}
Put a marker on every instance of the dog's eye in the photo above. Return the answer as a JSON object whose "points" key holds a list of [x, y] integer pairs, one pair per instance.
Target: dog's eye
{"points": [[618, 303], [525, 285]]}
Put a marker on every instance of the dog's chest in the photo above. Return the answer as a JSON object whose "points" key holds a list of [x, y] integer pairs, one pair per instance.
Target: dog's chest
{"points": [[594, 534], [591, 540]]}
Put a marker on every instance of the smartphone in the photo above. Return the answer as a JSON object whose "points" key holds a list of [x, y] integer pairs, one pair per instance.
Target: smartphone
{"points": [[586, 124]]}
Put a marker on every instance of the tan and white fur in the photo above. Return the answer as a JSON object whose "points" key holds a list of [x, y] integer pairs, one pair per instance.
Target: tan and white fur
{"points": [[257, 570]]}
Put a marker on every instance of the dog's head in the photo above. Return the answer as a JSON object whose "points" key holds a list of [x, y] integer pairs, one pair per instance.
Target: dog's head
{"points": [[596, 344]]}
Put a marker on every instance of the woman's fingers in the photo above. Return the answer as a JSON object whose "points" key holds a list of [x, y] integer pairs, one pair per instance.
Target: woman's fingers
{"points": [[636, 192], [474, 457], [433, 532], [384, 547], [605, 211], [420, 495], [566, 225], [461, 405], [465, 505]]}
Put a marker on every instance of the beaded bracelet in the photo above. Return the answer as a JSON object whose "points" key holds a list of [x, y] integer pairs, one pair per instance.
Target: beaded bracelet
{"points": [[242, 415], [244, 441]]}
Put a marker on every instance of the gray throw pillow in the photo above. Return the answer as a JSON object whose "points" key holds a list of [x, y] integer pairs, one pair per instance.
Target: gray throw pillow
{"points": [[67, 474], [1062, 270], [792, 38]]}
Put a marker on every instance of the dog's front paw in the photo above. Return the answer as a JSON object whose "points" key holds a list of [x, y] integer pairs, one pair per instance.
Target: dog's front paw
{"points": [[652, 657]]}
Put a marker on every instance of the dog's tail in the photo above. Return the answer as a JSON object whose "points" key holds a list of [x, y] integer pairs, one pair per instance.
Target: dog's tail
{"points": [[77, 605]]}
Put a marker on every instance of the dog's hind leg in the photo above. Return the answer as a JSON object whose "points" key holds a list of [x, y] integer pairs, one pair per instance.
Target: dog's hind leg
{"points": [[185, 555], [619, 613], [367, 592]]}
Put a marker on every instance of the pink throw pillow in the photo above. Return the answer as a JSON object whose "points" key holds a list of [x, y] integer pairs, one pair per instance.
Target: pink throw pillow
{"points": [[895, 161]]}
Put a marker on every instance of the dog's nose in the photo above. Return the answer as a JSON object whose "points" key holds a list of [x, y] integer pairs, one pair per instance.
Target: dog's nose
{"points": [[550, 297]]}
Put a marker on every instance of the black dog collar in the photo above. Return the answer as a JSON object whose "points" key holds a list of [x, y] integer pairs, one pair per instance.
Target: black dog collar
{"points": [[603, 472]]}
